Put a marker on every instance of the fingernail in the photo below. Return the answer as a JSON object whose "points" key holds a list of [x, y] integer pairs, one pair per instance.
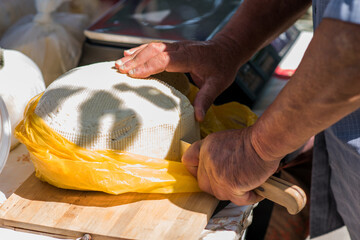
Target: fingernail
{"points": [[129, 51], [200, 115], [132, 72], [118, 62]]}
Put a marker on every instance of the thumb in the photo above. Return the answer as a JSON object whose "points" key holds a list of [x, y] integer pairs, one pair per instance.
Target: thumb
{"points": [[203, 100], [191, 158], [245, 198]]}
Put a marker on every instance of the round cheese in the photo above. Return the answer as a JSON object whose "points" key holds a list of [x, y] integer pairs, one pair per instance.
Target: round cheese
{"points": [[20, 80], [96, 107]]}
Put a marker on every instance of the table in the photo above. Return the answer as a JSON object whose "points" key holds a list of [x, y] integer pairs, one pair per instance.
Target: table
{"points": [[230, 223]]}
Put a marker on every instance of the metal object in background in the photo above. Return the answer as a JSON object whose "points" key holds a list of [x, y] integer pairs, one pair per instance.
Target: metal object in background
{"points": [[133, 22], [5, 134]]}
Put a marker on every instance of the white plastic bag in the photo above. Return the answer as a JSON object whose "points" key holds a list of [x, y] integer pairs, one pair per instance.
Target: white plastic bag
{"points": [[20, 80], [13, 10], [88, 7], [52, 40]]}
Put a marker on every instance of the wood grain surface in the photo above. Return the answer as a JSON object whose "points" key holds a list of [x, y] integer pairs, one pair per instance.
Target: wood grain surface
{"points": [[40, 207]]}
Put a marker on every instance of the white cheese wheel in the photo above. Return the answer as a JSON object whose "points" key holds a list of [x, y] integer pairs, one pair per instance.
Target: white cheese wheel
{"points": [[20, 80], [96, 107]]}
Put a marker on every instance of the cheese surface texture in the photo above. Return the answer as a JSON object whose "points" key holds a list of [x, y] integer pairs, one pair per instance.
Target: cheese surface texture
{"points": [[96, 107], [20, 80]]}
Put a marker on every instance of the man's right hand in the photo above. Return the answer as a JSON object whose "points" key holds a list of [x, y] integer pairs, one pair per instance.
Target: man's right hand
{"points": [[227, 166], [212, 66]]}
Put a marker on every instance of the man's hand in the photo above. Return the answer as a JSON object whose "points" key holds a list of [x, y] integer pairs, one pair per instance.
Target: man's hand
{"points": [[227, 166], [214, 63], [212, 66]]}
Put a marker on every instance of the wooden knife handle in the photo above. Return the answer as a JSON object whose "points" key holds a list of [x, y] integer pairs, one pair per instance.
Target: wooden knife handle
{"points": [[283, 193], [286, 194]]}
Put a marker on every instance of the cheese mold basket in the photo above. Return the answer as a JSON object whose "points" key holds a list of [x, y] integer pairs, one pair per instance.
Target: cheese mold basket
{"points": [[96, 129], [67, 165]]}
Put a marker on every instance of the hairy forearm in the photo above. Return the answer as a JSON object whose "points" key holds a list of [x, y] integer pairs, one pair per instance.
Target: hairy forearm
{"points": [[257, 22], [324, 89]]}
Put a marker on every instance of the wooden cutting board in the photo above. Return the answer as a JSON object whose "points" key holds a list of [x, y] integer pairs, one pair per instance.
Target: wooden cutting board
{"points": [[42, 208]]}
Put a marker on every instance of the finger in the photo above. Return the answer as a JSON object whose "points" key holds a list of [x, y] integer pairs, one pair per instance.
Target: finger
{"points": [[204, 179], [191, 158], [156, 58], [245, 198], [158, 64], [223, 191], [131, 51], [154, 65], [203, 100], [211, 182], [142, 55], [120, 63], [220, 191]]}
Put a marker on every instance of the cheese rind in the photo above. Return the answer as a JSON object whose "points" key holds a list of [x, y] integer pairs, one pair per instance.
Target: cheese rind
{"points": [[20, 80], [97, 107]]}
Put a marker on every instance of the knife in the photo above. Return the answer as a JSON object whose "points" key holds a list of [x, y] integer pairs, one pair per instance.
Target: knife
{"points": [[284, 193]]}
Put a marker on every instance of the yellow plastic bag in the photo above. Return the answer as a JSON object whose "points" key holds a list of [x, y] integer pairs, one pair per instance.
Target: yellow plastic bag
{"points": [[232, 115], [66, 165]]}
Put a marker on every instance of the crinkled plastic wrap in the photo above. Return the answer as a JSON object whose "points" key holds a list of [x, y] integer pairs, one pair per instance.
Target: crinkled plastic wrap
{"points": [[232, 115], [66, 165], [13, 10], [21, 80], [52, 40]]}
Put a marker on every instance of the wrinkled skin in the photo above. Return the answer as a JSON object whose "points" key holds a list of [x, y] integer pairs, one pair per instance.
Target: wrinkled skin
{"points": [[225, 163], [211, 64], [324, 89], [227, 166]]}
